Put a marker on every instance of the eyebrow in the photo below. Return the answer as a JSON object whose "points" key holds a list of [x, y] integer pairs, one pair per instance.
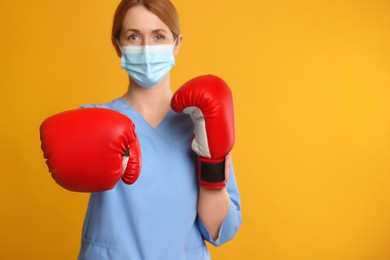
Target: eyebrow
{"points": [[154, 31]]}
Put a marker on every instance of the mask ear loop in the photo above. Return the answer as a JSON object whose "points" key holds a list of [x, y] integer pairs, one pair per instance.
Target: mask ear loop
{"points": [[174, 44], [119, 46]]}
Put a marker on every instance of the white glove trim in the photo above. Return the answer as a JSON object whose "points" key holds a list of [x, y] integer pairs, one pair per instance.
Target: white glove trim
{"points": [[200, 142]]}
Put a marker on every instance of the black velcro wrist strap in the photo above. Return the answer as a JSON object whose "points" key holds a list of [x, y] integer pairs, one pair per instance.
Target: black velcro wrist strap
{"points": [[212, 172]]}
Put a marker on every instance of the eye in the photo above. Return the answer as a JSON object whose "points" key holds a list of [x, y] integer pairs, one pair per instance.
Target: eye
{"points": [[159, 37], [133, 37]]}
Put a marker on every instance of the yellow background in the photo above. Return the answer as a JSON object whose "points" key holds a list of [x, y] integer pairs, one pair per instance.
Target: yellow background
{"points": [[311, 83]]}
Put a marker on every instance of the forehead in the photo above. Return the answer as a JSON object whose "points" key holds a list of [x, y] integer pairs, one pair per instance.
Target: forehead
{"points": [[140, 18]]}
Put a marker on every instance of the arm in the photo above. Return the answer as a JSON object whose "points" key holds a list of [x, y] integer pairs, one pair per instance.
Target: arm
{"points": [[213, 205], [208, 100], [215, 228]]}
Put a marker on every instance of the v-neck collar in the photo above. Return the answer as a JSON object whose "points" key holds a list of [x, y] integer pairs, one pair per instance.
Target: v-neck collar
{"points": [[160, 125], [173, 124]]}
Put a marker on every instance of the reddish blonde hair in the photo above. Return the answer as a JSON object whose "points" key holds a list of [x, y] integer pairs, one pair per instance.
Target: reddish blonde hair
{"points": [[164, 10]]}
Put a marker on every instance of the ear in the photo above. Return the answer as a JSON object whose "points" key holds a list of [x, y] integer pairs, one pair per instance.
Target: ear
{"points": [[179, 41], [115, 42]]}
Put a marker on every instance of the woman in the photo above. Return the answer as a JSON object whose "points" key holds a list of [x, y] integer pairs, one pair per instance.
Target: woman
{"points": [[165, 214]]}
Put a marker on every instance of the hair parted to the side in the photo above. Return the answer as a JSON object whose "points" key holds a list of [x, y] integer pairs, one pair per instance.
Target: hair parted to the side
{"points": [[163, 9]]}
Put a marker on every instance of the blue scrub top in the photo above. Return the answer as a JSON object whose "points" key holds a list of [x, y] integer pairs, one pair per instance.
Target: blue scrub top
{"points": [[156, 217]]}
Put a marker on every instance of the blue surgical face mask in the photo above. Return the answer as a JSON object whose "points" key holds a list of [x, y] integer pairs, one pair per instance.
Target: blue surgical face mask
{"points": [[148, 64]]}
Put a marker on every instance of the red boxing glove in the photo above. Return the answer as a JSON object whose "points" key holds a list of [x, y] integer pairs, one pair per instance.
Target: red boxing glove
{"points": [[208, 100], [84, 149]]}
